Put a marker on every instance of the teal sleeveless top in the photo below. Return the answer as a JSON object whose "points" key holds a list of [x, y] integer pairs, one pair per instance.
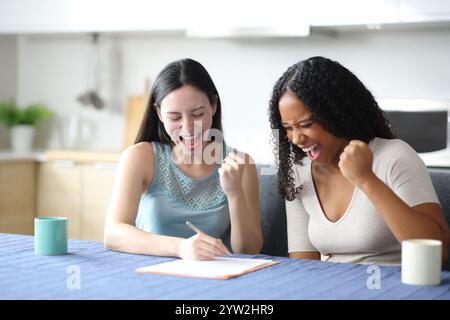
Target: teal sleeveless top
{"points": [[174, 198]]}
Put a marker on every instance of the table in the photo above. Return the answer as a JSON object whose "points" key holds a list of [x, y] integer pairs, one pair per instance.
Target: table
{"points": [[89, 271]]}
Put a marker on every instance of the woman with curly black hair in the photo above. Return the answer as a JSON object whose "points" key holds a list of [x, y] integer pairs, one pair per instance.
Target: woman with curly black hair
{"points": [[353, 192]]}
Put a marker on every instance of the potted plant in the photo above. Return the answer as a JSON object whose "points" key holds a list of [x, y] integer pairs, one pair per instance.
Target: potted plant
{"points": [[22, 123]]}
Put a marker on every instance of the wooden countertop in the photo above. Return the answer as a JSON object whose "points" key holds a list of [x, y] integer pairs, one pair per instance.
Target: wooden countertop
{"points": [[439, 158], [82, 155], [7, 155], [61, 155]]}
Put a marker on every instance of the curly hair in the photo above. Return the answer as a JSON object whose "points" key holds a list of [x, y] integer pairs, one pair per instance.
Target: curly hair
{"points": [[337, 100]]}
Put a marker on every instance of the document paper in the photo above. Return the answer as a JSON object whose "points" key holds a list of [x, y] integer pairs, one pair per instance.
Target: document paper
{"points": [[218, 268]]}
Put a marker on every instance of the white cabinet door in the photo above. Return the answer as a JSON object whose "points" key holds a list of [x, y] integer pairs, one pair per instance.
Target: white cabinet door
{"points": [[29, 16], [56, 16], [424, 10], [351, 12]]}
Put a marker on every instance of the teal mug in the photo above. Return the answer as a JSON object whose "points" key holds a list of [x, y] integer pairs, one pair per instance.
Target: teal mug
{"points": [[50, 235]]}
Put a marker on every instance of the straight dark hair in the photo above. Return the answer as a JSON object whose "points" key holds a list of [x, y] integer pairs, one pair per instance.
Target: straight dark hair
{"points": [[175, 75]]}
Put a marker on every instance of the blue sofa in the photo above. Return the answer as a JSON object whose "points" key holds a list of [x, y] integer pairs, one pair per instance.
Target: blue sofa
{"points": [[273, 214]]}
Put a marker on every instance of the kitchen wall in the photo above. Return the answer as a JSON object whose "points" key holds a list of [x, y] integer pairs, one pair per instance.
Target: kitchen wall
{"points": [[406, 64], [8, 76]]}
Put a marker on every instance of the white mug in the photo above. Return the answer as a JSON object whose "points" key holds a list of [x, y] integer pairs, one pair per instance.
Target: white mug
{"points": [[421, 261]]}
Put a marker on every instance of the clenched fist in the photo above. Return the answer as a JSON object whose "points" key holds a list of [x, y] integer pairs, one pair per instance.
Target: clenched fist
{"points": [[230, 173], [355, 162]]}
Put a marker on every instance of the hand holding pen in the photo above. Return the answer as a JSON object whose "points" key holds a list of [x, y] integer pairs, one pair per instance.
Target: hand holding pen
{"points": [[201, 246]]}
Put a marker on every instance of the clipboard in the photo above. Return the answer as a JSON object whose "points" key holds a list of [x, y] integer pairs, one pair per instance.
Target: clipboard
{"points": [[219, 268]]}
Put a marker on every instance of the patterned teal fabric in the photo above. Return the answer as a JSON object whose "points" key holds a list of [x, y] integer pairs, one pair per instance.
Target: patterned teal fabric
{"points": [[187, 192], [173, 198]]}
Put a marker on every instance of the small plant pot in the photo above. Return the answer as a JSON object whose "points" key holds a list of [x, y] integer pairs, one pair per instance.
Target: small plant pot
{"points": [[22, 137]]}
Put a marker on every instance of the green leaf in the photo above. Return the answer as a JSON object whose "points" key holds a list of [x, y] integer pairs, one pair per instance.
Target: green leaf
{"points": [[33, 114], [9, 113]]}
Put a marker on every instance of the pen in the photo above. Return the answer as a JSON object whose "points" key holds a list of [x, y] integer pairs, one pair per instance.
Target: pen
{"points": [[197, 230]]}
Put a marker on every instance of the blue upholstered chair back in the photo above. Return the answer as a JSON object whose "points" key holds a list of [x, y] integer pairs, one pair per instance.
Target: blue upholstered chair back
{"points": [[272, 212], [441, 183]]}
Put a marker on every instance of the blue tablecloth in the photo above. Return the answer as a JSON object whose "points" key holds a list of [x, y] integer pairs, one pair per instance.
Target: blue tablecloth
{"points": [[106, 274]]}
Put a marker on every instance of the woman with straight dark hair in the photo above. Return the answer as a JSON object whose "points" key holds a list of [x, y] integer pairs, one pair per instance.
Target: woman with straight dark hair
{"points": [[353, 192], [179, 170]]}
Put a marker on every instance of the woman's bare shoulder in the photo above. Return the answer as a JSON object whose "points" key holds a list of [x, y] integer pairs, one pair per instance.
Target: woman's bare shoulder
{"points": [[139, 151], [139, 155]]}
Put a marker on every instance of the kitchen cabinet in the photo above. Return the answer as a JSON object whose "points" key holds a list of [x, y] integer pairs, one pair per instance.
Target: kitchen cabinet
{"points": [[424, 10], [58, 193], [72, 184], [97, 181], [75, 16], [17, 196], [76, 190], [331, 13]]}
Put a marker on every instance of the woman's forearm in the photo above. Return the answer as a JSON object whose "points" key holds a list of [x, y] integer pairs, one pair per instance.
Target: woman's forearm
{"points": [[246, 234], [403, 221], [127, 238]]}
